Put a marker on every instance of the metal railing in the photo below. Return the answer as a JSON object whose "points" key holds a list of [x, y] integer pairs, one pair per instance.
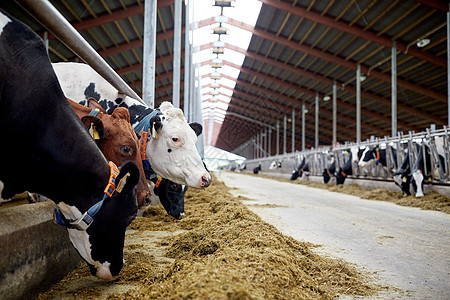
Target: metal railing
{"points": [[396, 150]]}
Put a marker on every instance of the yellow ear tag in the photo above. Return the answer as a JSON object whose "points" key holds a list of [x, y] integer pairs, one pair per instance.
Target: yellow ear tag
{"points": [[154, 133], [122, 183], [93, 132]]}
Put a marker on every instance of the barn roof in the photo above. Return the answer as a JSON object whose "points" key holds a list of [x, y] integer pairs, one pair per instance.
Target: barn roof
{"points": [[298, 49]]}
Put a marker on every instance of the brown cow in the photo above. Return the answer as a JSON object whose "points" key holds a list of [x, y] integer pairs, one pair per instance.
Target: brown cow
{"points": [[116, 139]]}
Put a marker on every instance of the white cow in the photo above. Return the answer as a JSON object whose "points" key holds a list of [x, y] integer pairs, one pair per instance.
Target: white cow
{"points": [[171, 151]]}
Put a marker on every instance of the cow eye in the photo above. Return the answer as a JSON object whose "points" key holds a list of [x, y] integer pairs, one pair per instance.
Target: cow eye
{"points": [[175, 139], [126, 149]]}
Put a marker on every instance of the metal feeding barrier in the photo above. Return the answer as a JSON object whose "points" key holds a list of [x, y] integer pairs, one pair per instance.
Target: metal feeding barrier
{"points": [[435, 143]]}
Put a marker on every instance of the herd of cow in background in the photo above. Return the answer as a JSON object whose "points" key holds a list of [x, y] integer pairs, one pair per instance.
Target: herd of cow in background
{"points": [[88, 157], [408, 161]]}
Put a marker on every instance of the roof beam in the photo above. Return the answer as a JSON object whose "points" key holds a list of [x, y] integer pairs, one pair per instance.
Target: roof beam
{"points": [[355, 30], [337, 60]]}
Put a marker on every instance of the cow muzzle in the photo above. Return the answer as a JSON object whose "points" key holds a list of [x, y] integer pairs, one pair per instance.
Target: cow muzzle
{"points": [[206, 181]]}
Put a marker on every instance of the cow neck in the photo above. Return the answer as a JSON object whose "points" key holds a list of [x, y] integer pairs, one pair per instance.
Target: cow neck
{"points": [[144, 125]]}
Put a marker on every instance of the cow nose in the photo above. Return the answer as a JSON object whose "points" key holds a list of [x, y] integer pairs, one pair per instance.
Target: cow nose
{"points": [[206, 181]]}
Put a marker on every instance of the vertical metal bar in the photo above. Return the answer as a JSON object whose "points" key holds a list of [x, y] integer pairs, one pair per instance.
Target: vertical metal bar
{"points": [[265, 142], [187, 52], [176, 53], [270, 141], [358, 104], [303, 127], [316, 134], [284, 133], [293, 131], [334, 113], [278, 137], [394, 89], [149, 52], [448, 65]]}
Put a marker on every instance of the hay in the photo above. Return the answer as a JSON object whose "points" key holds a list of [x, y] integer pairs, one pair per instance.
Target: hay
{"points": [[431, 201], [221, 250]]}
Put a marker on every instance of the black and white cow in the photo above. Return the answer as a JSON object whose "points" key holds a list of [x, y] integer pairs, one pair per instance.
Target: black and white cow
{"points": [[376, 155], [46, 149], [171, 148], [346, 170], [423, 169], [275, 164], [329, 172], [168, 193], [303, 168], [402, 176]]}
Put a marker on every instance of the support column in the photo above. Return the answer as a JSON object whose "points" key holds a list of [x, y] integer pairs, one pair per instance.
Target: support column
{"points": [[334, 140], [303, 127], [278, 137], [187, 64], [448, 65], [293, 131], [284, 134], [149, 53], [394, 89], [270, 141], [265, 143], [176, 54], [316, 135], [358, 104]]}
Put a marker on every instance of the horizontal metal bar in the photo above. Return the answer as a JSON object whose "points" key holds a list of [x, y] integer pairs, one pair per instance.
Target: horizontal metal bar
{"points": [[46, 14]]}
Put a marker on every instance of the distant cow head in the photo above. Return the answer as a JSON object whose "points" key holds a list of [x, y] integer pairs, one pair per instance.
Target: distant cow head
{"points": [[116, 139], [172, 150]]}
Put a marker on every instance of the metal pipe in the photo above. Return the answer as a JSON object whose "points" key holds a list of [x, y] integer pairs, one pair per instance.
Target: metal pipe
{"points": [[46, 40], [316, 135], [448, 65], [187, 53], [284, 134], [176, 54], [149, 53], [266, 142], [303, 127], [46, 14], [358, 104], [334, 140], [293, 131], [278, 137], [394, 89], [270, 141]]}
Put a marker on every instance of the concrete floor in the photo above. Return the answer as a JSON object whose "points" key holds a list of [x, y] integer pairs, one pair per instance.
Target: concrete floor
{"points": [[407, 248]]}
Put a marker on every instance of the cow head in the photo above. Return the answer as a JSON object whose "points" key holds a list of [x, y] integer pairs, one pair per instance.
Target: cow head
{"points": [[326, 175], [171, 196], [403, 180], [101, 244], [116, 139], [340, 176], [172, 150]]}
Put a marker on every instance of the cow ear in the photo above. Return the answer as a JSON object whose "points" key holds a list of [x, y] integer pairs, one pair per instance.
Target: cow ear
{"points": [[197, 128], [93, 104], [95, 127], [121, 113], [155, 126], [128, 177]]}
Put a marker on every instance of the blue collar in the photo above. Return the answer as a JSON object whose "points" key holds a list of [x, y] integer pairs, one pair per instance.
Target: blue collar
{"points": [[82, 223]]}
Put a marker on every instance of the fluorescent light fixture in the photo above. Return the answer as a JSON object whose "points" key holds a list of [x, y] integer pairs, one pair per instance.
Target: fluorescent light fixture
{"points": [[215, 85], [214, 92], [326, 98], [220, 30], [362, 78], [423, 42]]}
